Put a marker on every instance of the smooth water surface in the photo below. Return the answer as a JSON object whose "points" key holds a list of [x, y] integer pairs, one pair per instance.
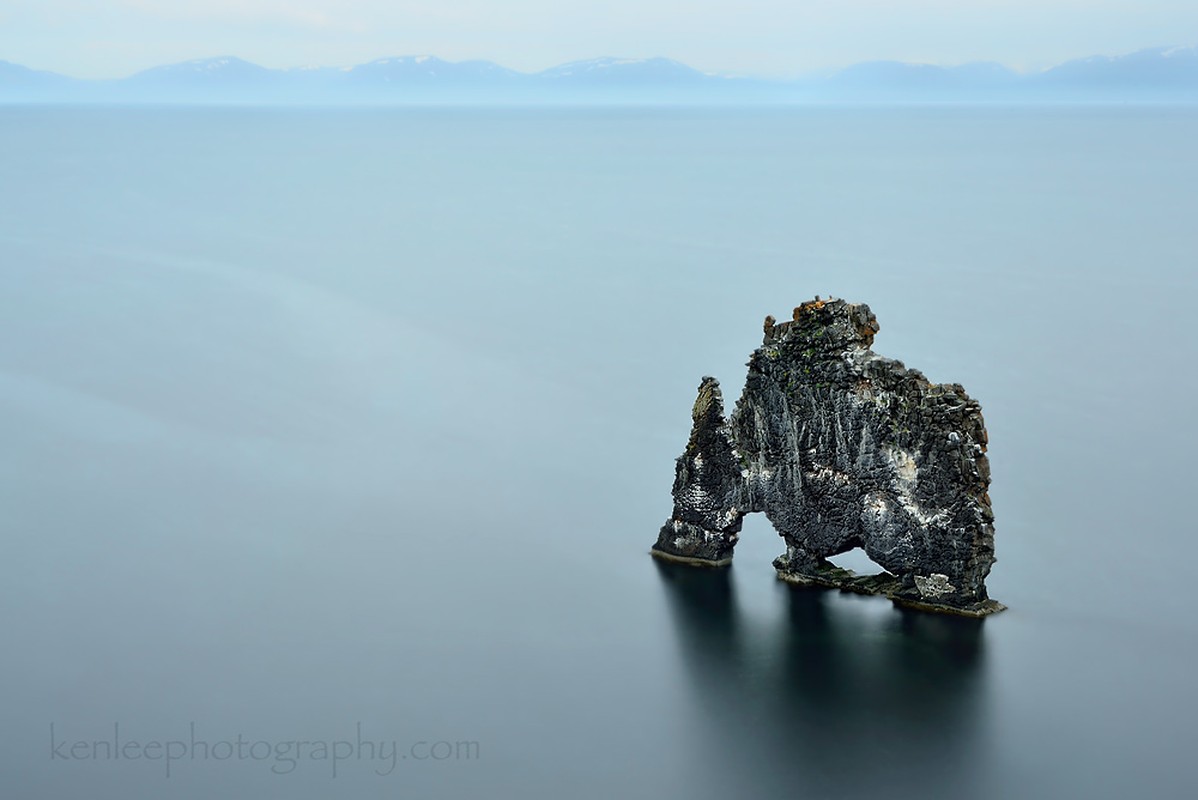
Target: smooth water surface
{"points": [[322, 426]]}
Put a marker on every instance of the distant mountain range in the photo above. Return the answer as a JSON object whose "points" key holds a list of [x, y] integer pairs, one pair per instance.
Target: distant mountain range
{"points": [[1154, 75]]}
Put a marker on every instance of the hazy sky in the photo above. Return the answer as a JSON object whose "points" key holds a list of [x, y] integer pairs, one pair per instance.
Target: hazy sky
{"points": [[112, 38]]}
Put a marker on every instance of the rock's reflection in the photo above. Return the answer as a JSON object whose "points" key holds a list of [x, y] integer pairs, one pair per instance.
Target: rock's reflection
{"points": [[824, 702]]}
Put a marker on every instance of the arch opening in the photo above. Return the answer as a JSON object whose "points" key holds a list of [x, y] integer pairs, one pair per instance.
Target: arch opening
{"points": [[858, 562]]}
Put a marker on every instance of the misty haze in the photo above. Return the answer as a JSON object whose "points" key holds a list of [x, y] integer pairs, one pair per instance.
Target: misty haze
{"points": [[335, 438]]}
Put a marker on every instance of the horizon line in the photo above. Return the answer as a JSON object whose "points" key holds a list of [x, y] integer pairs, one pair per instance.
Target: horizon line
{"points": [[819, 72]]}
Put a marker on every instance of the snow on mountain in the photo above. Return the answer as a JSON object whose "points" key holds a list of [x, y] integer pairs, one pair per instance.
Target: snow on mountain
{"points": [[428, 68], [1153, 69], [226, 69], [625, 70]]}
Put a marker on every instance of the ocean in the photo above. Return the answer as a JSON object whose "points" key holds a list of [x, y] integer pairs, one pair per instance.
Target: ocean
{"points": [[348, 432]]}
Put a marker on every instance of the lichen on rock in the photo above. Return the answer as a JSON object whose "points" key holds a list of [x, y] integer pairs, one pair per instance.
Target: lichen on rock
{"points": [[841, 448]]}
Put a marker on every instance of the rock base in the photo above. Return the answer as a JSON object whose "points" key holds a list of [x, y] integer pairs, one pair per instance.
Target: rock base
{"points": [[885, 585], [694, 562]]}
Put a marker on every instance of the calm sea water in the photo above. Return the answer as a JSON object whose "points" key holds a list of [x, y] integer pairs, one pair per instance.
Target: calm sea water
{"points": [[355, 427]]}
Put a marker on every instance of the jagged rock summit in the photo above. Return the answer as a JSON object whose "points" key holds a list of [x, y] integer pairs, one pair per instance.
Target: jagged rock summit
{"points": [[841, 448]]}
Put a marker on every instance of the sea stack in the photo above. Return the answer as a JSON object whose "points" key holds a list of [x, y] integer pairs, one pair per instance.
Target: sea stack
{"points": [[841, 448]]}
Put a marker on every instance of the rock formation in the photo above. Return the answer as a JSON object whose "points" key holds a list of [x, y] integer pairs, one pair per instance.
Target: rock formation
{"points": [[841, 448]]}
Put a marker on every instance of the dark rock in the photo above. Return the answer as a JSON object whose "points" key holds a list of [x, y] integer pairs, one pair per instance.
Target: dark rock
{"points": [[841, 448]]}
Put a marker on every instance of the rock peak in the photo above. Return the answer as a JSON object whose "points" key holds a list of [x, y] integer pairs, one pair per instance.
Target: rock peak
{"points": [[826, 324]]}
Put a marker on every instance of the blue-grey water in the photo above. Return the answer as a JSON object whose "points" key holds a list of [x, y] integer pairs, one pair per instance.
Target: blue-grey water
{"points": [[320, 426]]}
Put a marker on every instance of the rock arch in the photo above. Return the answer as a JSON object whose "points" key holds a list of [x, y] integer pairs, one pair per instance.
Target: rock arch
{"points": [[840, 448]]}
